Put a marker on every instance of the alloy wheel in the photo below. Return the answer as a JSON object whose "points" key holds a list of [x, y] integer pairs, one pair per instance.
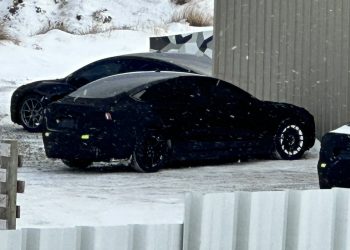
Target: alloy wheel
{"points": [[291, 140], [32, 113]]}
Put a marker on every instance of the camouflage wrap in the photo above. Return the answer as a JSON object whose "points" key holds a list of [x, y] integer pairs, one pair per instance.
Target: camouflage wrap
{"points": [[200, 43]]}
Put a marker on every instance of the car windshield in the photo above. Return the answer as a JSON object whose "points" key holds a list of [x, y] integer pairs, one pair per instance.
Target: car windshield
{"points": [[113, 85]]}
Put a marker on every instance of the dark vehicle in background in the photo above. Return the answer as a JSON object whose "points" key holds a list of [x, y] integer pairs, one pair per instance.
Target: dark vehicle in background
{"points": [[334, 162], [29, 100], [158, 117]]}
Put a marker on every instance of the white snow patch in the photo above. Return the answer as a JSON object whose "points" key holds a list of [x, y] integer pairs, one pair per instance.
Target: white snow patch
{"points": [[342, 130], [56, 54]]}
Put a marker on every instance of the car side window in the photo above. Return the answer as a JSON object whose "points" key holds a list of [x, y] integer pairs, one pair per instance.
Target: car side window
{"points": [[96, 71], [174, 91], [150, 65], [227, 93]]}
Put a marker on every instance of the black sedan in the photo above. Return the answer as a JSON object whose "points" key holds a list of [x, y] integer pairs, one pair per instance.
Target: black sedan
{"points": [[158, 117], [29, 100], [334, 163]]}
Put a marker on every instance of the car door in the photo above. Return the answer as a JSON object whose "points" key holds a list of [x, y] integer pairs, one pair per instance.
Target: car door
{"points": [[181, 107], [236, 118]]}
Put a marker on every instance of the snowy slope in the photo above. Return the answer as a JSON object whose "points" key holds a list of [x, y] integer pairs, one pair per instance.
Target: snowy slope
{"points": [[55, 53], [81, 16]]}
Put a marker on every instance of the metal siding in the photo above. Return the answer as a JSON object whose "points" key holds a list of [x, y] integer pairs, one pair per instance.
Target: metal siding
{"points": [[275, 220], [305, 71], [251, 44], [125, 237], [259, 49], [322, 85], [290, 60], [222, 42], [237, 43], [338, 54], [216, 33], [289, 220], [330, 49], [275, 33], [244, 44], [345, 58], [267, 50], [288, 50], [230, 39], [299, 20], [314, 57]]}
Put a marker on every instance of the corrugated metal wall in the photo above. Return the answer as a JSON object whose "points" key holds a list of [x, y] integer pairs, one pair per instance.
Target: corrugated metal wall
{"points": [[285, 220], [276, 220], [128, 237], [294, 51]]}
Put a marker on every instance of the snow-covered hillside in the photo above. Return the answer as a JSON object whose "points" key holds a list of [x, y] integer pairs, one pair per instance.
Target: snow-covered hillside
{"points": [[56, 37], [31, 17]]}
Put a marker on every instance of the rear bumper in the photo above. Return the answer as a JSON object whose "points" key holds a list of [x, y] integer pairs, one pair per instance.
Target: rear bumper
{"points": [[92, 147]]}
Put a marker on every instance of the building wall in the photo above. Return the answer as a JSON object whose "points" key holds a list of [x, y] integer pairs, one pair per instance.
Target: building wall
{"points": [[294, 51]]}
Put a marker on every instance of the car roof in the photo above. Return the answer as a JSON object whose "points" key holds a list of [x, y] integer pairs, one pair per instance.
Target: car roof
{"points": [[127, 82], [142, 79], [198, 64]]}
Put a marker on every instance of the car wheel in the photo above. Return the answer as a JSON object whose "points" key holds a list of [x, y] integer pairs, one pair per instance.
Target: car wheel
{"points": [[31, 113], [289, 141], [150, 153], [78, 164], [324, 184]]}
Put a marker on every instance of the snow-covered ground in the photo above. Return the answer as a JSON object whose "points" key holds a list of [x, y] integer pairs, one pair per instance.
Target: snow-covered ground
{"points": [[110, 194]]}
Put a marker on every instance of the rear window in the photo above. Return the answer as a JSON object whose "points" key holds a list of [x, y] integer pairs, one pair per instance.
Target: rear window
{"points": [[111, 86]]}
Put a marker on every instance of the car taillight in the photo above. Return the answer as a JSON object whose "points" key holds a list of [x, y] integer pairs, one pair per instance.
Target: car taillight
{"points": [[108, 116]]}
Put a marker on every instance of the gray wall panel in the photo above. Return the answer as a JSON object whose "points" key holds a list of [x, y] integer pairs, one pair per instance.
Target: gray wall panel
{"points": [[123, 237], [288, 220], [293, 51]]}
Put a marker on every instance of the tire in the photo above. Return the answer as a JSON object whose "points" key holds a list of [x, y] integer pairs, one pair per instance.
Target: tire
{"points": [[77, 164], [289, 141], [324, 184], [151, 153], [31, 113]]}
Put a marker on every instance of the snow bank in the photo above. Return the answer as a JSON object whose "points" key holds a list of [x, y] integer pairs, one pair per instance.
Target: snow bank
{"points": [[57, 53]]}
